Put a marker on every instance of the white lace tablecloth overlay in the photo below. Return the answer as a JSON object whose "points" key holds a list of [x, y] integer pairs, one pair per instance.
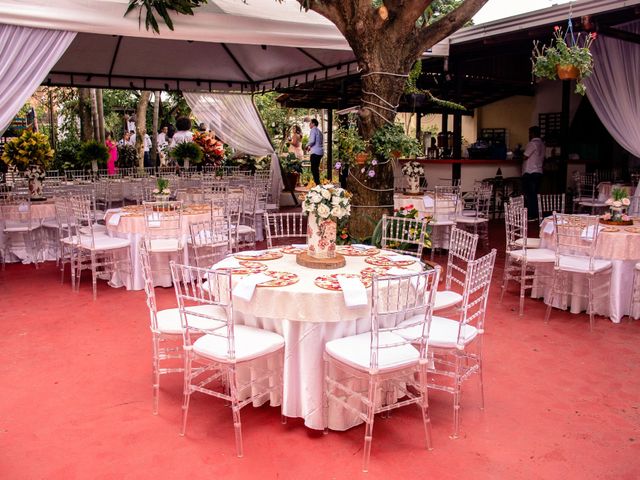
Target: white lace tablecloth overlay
{"points": [[131, 227], [622, 247], [307, 316]]}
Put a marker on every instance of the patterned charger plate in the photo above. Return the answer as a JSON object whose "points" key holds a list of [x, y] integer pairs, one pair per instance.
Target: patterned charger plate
{"points": [[330, 282], [246, 268], [280, 279], [267, 255], [633, 229], [382, 261], [356, 252], [292, 250], [371, 271], [610, 229]]}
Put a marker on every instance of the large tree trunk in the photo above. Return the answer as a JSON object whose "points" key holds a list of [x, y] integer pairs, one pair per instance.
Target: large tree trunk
{"points": [[84, 110], [141, 125], [156, 115], [100, 103]]}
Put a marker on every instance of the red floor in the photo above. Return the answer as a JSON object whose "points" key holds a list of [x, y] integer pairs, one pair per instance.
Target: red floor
{"points": [[561, 402]]}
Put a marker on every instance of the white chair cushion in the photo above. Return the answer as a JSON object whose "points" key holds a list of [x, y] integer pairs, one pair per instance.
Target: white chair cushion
{"points": [[638, 266], [442, 223], [51, 223], [97, 228], [531, 242], [443, 332], [593, 203], [13, 226], [446, 299], [244, 229], [581, 264], [471, 220], [535, 255], [102, 242], [250, 343], [355, 351], [159, 245], [169, 319]]}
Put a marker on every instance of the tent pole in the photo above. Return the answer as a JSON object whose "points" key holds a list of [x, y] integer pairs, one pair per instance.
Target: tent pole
{"points": [[330, 144]]}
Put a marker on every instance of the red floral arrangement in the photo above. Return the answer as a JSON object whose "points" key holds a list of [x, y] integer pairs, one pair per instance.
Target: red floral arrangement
{"points": [[213, 149]]}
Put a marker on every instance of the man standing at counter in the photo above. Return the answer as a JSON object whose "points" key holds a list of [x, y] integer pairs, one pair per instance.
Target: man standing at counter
{"points": [[532, 171], [316, 148]]}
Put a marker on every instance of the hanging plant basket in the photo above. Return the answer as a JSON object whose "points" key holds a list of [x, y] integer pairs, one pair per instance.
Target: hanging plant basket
{"points": [[567, 72]]}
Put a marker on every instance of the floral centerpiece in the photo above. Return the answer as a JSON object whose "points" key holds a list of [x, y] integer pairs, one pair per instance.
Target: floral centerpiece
{"points": [[564, 61], [413, 171], [212, 149], [325, 204], [162, 191], [30, 153], [618, 203]]}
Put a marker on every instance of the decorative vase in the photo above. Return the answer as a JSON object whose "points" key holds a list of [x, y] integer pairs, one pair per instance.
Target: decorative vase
{"points": [[413, 184], [321, 237], [35, 181], [567, 72], [186, 164], [94, 165], [161, 197], [291, 180]]}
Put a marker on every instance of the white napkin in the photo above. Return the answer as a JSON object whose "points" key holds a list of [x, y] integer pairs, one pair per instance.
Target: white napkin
{"points": [[549, 228], [396, 257], [252, 253], [299, 245], [399, 271], [114, 219], [247, 286], [229, 262], [589, 232], [353, 290], [362, 246], [111, 210], [428, 201]]}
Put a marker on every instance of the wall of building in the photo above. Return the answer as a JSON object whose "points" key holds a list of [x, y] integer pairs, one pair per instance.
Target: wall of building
{"points": [[513, 113]]}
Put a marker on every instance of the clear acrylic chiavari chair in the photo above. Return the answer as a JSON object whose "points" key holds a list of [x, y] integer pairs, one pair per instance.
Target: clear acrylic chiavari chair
{"points": [[445, 209], [210, 240], [285, 228], [547, 204], [477, 219], [587, 198], [214, 354], [390, 359], [522, 263], [93, 250], [407, 233], [576, 244], [455, 344], [462, 250], [20, 230]]}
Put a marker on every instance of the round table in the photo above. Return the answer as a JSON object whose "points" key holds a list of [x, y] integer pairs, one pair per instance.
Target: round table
{"points": [[128, 222], [41, 211], [619, 244], [307, 316]]}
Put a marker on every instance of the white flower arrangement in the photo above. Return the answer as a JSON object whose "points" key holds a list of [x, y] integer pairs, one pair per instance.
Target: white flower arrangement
{"points": [[157, 191], [412, 169], [327, 202], [35, 172]]}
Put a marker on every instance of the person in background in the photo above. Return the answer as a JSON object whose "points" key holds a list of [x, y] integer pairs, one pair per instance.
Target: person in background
{"points": [[162, 144], [295, 142], [131, 123], [183, 125], [113, 154], [132, 138], [125, 140], [147, 148], [316, 148], [532, 171]]}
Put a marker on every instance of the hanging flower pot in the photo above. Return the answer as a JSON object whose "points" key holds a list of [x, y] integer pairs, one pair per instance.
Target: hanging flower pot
{"points": [[361, 158], [567, 72]]}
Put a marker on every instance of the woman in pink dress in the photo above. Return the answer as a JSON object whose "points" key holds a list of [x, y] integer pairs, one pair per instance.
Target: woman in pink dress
{"points": [[113, 155]]}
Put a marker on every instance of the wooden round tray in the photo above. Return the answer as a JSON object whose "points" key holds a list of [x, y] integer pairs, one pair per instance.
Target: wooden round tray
{"points": [[308, 261], [617, 224]]}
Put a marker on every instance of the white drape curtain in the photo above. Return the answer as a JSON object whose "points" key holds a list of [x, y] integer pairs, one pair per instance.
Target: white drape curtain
{"points": [[235, 120], [28, 54], [614, 87]]}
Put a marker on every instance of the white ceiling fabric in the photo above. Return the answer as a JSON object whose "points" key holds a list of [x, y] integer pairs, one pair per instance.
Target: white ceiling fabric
{"points": [[226, 45]]}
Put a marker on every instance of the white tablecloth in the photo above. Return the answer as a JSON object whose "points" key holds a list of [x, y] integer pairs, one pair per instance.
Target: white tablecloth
{"points": [[622, 248], [307, 316]]}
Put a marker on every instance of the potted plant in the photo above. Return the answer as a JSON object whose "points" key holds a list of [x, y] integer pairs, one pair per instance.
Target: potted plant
{"points": [[162, 191], [292, 168], [187, 152], [351, 145], [390, 141], [413, 171], [564, 60], [127, 156], [93, 154], [30, 153]]}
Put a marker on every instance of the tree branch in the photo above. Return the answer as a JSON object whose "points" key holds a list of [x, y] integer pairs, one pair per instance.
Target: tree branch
{"points": [[329, 9], [411, 11], [429, 35]]}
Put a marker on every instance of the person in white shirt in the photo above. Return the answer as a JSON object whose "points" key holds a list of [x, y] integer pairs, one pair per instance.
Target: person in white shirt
{"points": [[183, 125], [147, 148], [532, 168], [162, 145]]}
